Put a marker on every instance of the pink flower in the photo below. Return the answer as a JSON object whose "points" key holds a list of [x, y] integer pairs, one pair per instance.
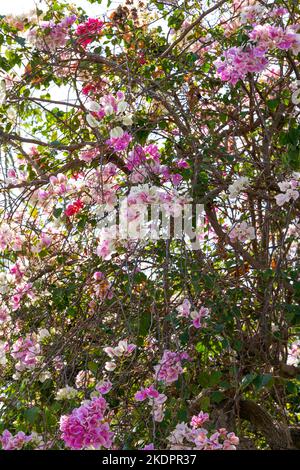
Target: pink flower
{"points": [[10, 442], [242, 232], [88, 31], [199, 420], [26, 351], [119, 143], [169, 367], [104, 387], [149, 392], [197, 316], [184, 309], [86, 426], [236, 62]]}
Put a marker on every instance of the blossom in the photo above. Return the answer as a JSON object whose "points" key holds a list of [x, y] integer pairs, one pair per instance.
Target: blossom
{"points": [[123, 349], [148, 447], [198, 420], [155, 398], [184, 309], [50, 36], [120, 142], [149, 392], [289, 191], [242, 232], [88, 155], [10, 442], [198, 438], [26, 351], [238, 186], [84, 378], [104, 387], [88, 31], [3, 350], [169, 367], [86, 426], [197, 316], [74, 208], [66, 393], [237, 62]]}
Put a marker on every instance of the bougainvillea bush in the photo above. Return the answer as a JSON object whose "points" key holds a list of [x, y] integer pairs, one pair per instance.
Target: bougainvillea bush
{"points": [[140, 338]]}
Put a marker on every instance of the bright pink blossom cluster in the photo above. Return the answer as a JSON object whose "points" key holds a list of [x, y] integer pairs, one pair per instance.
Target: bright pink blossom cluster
{"points": [[86, 427], [74, 208], [269, 37], [88, 31], [198, 420], [237, 62], [120, 143]]}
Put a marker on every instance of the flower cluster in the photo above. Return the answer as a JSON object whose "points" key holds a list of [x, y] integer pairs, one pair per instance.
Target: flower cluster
{"points": [[268, 37], [198, 420], [238, 186], [184, 310], [10, 442], [242, 232], [250, 13], [156, 399], [74, 208], [169, 367], [50, 36], [289, 191], [109, 106], [122, 350], [26, 351], [88, 31], [86, 427], [119, 140], [237, 62], [198, 438], [66, 393]]}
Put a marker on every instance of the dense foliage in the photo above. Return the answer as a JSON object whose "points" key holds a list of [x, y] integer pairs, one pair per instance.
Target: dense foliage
{"points": [[150, 340]]}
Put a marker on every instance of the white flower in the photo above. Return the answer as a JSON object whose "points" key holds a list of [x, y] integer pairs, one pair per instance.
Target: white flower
{"points": [[2, 353], [127, 120], [116, 132], [91, 121], [44, 376], [93, 106], [108, 109], [238, 186], [42, 334], [122, 106], [66, 393], [110, 366], [2, 91]]}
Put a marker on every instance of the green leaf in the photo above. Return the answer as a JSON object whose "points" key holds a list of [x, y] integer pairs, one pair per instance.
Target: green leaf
{"points": [[262, 381], [247, 380], [31, 414]]}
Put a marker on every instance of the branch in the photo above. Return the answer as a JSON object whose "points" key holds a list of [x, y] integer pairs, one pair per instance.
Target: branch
{"points": [[192, 26]]}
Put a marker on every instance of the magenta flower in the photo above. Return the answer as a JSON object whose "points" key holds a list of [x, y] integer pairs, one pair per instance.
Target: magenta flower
{"points": [[86, 427]]}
